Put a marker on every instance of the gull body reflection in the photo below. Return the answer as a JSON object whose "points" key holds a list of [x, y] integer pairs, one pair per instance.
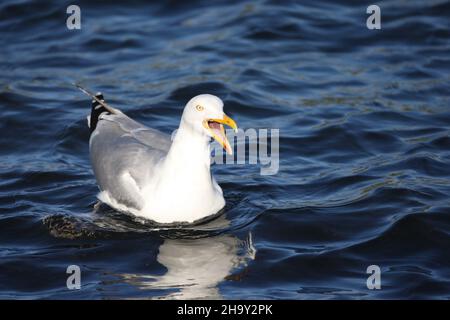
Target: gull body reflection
{"points": [[195, 267]]}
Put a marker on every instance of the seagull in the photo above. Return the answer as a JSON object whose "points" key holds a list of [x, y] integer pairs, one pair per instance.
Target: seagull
{"points": [[142, 171]]}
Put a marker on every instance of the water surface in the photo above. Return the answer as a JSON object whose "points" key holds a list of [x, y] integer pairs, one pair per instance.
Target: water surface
{"points": [[364, 124]]}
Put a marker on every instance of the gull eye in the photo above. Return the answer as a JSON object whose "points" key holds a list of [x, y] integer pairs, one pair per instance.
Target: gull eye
{"points": [[199, 107]]}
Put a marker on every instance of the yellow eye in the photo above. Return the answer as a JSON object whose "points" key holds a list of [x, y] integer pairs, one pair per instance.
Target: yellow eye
{"points": [[199, 107]]}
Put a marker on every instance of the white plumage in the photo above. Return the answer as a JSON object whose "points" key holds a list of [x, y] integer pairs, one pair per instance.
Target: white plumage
{"points": [[141, 171]]}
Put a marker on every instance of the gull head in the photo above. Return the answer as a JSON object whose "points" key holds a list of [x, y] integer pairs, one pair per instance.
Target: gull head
{"points": [[204, 113]]}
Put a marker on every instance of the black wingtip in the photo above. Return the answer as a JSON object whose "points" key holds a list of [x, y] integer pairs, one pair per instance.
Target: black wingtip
{"points": [[96, 110]]}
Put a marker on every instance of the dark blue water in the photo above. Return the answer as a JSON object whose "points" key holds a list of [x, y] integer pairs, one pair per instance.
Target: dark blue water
{"points": [[364, 120]]}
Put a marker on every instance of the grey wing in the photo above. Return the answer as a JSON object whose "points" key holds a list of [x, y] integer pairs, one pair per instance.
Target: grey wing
{"points": [[125, 155]]}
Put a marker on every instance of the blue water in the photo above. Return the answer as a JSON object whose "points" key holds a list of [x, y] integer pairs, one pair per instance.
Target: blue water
{"points": [[364, 120]]}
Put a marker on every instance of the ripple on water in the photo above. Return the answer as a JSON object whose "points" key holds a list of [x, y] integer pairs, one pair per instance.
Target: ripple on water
{"points": [[364, 149]]}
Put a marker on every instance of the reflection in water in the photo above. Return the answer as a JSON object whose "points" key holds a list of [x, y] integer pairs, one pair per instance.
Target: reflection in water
{"points": [[195, 258], [195, 267]]}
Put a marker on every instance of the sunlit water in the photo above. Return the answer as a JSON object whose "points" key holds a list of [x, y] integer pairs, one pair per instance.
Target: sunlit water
{"points": [[364, 170]]}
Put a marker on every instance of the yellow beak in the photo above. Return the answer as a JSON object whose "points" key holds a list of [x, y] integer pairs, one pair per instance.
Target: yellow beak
{"points": [[219, 134]]}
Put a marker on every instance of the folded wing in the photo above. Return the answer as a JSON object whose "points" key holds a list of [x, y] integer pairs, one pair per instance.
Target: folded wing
{"points": [[125, 155]]}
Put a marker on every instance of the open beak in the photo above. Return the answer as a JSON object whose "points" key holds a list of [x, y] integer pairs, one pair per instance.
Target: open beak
{"points": [[215, 126]]}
